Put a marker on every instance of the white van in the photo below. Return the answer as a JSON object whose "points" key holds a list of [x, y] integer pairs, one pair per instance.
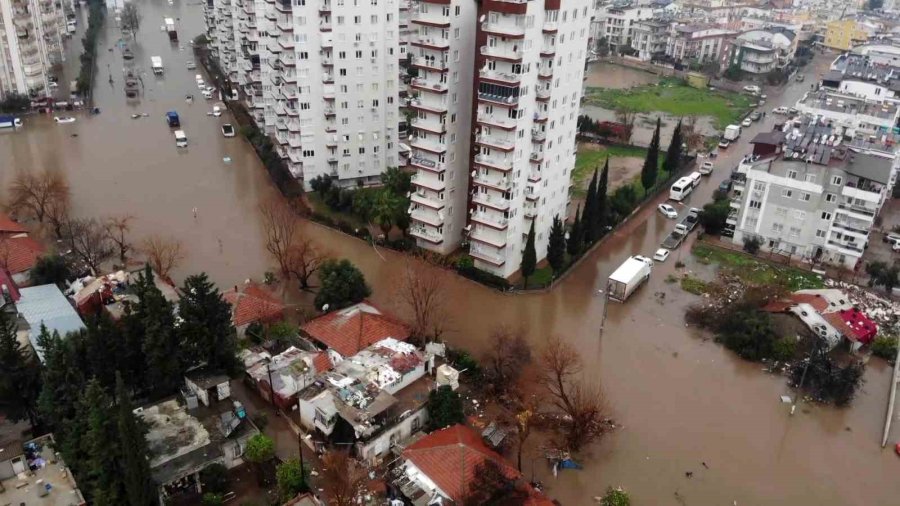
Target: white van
{"points": [[695, 178], [180, 139], [681, 189]]}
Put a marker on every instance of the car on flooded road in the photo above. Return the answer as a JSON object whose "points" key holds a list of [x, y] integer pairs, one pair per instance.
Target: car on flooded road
{"points": [[228, 130], [661, 255], [667, 211]]}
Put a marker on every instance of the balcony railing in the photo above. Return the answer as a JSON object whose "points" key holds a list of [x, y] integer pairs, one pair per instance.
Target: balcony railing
{"points": [[430, 63], [500, 76], [426, 163], [491, 220], [500, 121], [491, 201], [503, 51], [498, 163], [430, 84], [429, 217], [486, 255], [503, 28], [428, 235], [490, 140], [502, 184]]}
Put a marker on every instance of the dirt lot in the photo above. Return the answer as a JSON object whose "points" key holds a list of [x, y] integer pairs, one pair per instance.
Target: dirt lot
{"points": [[622, 169]]}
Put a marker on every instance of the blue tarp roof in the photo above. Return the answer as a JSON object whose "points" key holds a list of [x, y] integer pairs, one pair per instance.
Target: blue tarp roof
{"points": [[46, 305]]}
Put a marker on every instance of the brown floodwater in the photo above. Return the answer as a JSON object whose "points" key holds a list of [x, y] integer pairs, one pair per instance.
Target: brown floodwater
{"points": [[679, 399]]}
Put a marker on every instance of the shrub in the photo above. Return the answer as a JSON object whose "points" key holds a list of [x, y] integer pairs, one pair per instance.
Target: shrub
{"points": [[214, 478], [748, 332], [752, 245], [615, 497], [693, 285], [481, 276], [784, 349], [885, 347], [826, 380]]}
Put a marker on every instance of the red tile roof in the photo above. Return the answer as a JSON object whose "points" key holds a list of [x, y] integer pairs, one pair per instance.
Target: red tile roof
{"points": [[853, 324], [8, 226], [19, 254], [449, 457], [818, 302], [252, 302], [7, 280], [322, 362], [349, 330]]}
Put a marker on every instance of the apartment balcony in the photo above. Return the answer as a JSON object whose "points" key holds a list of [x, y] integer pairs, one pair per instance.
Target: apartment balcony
{"points": [[507, 30], [429, 125], [429, 63], [495, 142], [285, 25], [548, 51], [508, 101], [531, 212], [427, 42], [325, 7], [427, 217], [428, 235], [498, 183], [492, 201], [327, 61], [327, 78], [423, 199], [550, 27], [287, 59], [858, 211], [503, 77], [545, 73], [847, 248], [280, 5], [534, 176], [328, 111], [540, 116], [428, 107], [428, 145], [504, 122], [435, 19], [430, 183], [538, 135], [503, 52], [33, 70], [503, 164], [488, 238], [543, 94], [286, 43], [419, 162], [326, 41], [324, 26], [486, 255], [492, 220], [429, 85]]}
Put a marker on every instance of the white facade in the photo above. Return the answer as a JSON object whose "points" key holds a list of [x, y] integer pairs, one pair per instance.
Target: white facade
{"points": [[859, 116], [31, 33], [320, 77], [617, 23], [443, 53], [526, 125]]}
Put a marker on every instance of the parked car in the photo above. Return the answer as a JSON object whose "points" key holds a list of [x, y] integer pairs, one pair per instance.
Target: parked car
{"points": [[725, 186], [780, 110], [747, 122], [752, 88], [723, 144], [793, 110], [228, 130], [800, 78], [661, 255], [667, 211], [207, 94], [706, 168], [191, 65], [892, 236], [755, 115]]}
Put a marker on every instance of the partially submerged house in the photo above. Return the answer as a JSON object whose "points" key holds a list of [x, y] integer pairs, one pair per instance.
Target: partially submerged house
{"points": [[441, 467], [45, 305], [372, 400], [189, 433], [253, 303], [830, 315], [345, 332], [113, 292]]}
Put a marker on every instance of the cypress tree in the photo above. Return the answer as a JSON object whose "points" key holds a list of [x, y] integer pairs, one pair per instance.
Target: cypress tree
{"points": [[651, 163], [162, 351], [673, 155], [138, 484], [588, 218], [20, 374], [102, 447], [556, 246], [102, 344], [576, 236], [529, 257], [206, 332], [602, 207]]}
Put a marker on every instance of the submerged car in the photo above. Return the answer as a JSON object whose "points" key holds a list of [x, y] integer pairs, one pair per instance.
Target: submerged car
{"points": [[228, 130]]}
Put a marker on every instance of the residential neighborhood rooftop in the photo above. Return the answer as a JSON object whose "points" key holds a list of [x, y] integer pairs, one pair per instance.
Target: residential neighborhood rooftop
{"points": [[349, 330], [47, 480], [46, 305], [848, 104]]}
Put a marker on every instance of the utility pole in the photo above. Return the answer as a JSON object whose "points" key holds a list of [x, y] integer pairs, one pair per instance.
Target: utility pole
{"points": [[605, 309], [271, 385]]}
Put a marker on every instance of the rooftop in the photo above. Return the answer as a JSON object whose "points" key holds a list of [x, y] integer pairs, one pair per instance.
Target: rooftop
{"points": [[50, 477], [46, 305], [859, 67], [349, 330], [114, 291], [9, 226], [12, 437], [19, 252], [846, 104], [253, 302], [291, 370]]}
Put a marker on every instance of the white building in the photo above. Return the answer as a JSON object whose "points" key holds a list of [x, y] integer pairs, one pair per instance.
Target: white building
{"points": [[697, 43], [532, 59], [320, 77], [443, 54], [762, 51], [858, 115], [650, 38], [31, 33], [616, 23]]}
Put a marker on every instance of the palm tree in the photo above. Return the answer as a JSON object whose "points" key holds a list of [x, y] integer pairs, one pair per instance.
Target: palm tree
{"points": [[384, 211]]}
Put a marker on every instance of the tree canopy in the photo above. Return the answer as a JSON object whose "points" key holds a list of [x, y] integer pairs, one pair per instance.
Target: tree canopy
{"points": [[651, 163], [444, 408], [342, 285], [529, 257], [556, 245]]}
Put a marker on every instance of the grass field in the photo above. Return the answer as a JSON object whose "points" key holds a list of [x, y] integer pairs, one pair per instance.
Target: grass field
{"points": [[755, 270], [586, 160], [673, 96]]}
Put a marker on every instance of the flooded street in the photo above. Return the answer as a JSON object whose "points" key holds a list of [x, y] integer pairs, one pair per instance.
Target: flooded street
{"points": [[679, 399]]}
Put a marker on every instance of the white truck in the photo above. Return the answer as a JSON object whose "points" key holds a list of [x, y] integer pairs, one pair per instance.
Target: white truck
{"points": [[156, 64], [628, 277], [170, 27], [732, 132]]}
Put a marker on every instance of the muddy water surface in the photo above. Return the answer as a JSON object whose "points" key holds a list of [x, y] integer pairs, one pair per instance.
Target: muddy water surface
{"points": [[680, 400]]}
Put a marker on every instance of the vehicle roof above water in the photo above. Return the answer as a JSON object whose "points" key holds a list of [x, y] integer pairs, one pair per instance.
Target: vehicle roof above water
{"points": [[628, 270]]}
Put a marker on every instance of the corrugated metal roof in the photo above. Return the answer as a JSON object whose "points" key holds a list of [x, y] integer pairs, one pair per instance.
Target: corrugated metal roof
{"points": [[46, 305]]}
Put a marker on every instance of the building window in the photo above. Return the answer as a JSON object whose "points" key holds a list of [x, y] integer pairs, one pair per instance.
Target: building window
{"points": [[759, 186], [830, 197], [755, 204], [787, 193], [820, 233], [795, 232], [826, 215], [810, 178], [837, 180], [799, 215], [805, 196]]}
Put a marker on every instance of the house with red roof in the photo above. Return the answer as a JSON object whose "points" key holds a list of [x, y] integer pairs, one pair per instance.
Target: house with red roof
{"points": [[18, 251], [441, 467], [286, 374], [348, 331], [253, 302], [829, 314]]}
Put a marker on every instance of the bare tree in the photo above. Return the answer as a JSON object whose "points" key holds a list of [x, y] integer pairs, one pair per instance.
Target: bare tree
{"points": [[690, 133], [508, 353], [163, 253], [343, 478], [423, 293], [626, 116], [304, 260], [584, 406], [87, 241], [117, 228], [58, 214], [523, 427], [131, 18], [281, 227], [34, 193]]}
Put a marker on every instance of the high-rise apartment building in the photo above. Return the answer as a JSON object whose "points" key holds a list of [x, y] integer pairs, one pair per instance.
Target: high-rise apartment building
{"points": [[31, 33], [531, 62], [321, 77], [442, 45]]}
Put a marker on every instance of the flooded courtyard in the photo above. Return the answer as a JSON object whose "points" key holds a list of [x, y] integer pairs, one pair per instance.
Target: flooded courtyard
{"points": [[678, 398]]}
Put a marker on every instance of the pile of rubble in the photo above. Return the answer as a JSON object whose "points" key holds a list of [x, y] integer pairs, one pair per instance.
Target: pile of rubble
{"points": [[884, 312]]}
